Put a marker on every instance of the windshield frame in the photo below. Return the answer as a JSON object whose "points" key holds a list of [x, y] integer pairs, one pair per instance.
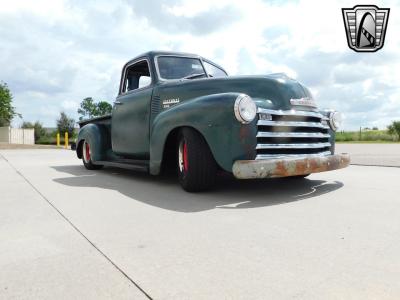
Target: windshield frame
{"points": [[179, 56], [207, 61]]}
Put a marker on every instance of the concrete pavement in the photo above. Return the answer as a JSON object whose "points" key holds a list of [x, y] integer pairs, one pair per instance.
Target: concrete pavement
{"points": [[334, 235], [372, 154], [42, 256]]}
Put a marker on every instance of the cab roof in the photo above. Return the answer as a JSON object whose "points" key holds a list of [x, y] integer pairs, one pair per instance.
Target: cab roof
{"points": [[152, 54]]}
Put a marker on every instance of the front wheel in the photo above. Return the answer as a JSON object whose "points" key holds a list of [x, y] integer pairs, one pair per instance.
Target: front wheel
{"points": [[299, 176], [87, 157], [196, 165]]}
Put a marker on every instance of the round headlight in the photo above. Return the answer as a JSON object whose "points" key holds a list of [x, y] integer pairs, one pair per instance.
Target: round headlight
{"points": [[245, 109], [335, 120]]}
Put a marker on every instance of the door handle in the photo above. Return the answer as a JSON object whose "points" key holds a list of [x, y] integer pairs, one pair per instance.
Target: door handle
{"points": [[118, 102]]}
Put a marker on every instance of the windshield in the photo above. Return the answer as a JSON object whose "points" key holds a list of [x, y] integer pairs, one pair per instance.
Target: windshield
{"points": [[174, 67]]}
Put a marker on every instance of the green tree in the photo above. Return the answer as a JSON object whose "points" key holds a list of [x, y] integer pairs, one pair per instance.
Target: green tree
{"points": [[89, 109], [27, 125], [65, 124], [394, 129], [7, 111], [103, 108], [39, 130]]}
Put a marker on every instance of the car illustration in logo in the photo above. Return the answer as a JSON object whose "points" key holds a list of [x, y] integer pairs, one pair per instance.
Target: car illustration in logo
{"points": [[365, 27]]}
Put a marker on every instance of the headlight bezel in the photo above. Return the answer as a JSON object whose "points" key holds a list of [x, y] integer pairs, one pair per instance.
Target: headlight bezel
{"points": [[335, 120], [241, 101]]}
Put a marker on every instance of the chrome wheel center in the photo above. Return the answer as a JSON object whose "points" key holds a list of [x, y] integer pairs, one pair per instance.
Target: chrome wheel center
{"points": [[183, 157], [180, 156], [86, 152]]}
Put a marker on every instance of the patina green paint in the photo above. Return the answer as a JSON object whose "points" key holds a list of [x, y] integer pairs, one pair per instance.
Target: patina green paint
{"points": [[213, 117], [142, 127], [98, 136]]}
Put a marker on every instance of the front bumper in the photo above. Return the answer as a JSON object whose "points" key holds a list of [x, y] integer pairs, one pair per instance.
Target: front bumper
{"points": [[284, 167]]}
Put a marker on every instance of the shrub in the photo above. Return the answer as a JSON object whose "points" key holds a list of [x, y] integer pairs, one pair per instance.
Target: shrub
{"points": [[394, 129], [39, 130]]}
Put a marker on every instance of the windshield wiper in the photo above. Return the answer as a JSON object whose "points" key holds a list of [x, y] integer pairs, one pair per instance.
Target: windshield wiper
{"points": [[191, 76]]}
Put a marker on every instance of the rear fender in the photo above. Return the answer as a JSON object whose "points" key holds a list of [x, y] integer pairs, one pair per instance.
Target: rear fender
{"points": [[99, 140]]}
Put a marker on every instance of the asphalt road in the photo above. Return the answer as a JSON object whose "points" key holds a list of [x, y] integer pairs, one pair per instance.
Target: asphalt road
{"points": [[66, 232]]}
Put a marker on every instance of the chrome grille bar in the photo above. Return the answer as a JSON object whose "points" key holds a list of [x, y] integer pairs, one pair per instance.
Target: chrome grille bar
{"points": [[293, 134], [292, 113], [293, 146], [276, 156], [292, 124]]}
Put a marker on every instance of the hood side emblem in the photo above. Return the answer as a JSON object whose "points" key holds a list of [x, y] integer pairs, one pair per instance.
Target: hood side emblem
{"points": [[169, 102], [303, 102]]}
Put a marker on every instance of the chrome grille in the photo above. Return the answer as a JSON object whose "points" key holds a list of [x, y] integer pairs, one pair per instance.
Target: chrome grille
{"points": [[292, 133]]}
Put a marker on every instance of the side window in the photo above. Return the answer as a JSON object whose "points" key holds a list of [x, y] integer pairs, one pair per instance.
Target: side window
{"points": [[136, 76], [214, 71], [144, 81]]}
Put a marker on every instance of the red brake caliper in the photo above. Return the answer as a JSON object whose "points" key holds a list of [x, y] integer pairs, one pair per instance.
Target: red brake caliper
{"points": [[87, 152], [185, 159]]}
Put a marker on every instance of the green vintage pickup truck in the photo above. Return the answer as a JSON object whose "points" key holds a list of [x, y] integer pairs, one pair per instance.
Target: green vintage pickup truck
{"points": [[183, 111]]}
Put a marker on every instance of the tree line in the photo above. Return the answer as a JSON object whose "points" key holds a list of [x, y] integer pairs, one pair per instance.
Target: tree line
{"points": [[89, 108], [7, 111]]}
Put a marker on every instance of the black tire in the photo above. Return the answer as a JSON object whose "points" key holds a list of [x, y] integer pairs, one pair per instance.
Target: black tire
{"points": [[87, 157], [197, 168], [299, 176]]}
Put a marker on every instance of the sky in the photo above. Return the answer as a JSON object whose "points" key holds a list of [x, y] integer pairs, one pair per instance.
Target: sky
{"points": [[54, 53]]}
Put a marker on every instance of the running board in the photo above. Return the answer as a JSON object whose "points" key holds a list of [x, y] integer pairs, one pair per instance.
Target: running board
{"points": [[131, 164]]}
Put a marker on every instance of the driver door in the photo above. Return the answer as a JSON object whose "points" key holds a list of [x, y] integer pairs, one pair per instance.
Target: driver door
{"points": [[131, 112]]}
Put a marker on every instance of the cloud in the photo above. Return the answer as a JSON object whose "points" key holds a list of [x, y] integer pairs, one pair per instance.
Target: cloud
{"points": [[167, 17], [346, 73], [54, 53]]}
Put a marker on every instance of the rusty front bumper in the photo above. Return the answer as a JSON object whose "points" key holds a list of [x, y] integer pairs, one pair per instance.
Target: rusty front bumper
{"points": [[284, 167]]}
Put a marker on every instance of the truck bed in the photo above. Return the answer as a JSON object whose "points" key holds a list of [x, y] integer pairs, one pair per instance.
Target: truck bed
{"points": [[110, 158], [105, 120]]}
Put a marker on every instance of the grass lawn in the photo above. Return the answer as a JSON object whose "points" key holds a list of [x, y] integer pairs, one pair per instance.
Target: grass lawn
{"points": [[367, 142], [365, 136]]}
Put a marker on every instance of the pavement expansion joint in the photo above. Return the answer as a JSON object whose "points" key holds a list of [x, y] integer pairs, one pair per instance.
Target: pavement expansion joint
{"points": [[75, 227]]}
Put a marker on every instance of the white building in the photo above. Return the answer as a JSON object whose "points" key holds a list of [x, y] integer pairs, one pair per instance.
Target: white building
{"points": [[17, 135]]}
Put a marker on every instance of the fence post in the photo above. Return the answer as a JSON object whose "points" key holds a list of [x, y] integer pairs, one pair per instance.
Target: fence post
{"points": [[58, 139], [66, 140]]}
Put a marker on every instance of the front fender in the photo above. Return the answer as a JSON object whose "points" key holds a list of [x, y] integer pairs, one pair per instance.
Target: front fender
{"points": [[99, 140], [212, 116]]}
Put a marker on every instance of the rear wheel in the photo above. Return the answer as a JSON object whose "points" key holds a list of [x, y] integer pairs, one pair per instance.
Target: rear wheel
{"points": [[87, 157], [196, 165]]}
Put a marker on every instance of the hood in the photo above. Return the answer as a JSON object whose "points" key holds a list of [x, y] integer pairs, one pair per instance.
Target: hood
{"points": [[272, 91]]}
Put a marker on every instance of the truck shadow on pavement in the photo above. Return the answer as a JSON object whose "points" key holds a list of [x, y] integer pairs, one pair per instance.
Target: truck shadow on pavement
{"points": [[165, 192]]}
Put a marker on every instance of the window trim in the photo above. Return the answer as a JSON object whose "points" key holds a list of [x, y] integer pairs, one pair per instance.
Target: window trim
{"points": [[126, 67], [216, 66], [175, 55]]}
